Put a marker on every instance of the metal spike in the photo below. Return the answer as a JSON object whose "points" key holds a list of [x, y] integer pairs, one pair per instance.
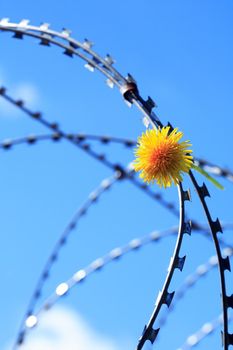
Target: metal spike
{"points": [[230, 339], [66, 32], [93, 196], [105, 139], [187, 227], [83, 211], [2, 90], [45, 40], [4, 21], [186, 195], [108, 58], [63, 241], [105, 184], [110, 83], [135, 243], [131, 79], [53, 257], [6, 144], [73, 224], [230, 301], [56, 136], [90, 67], [68, 52], [96, 60], [152, 335], [144, 330], [81, 137], [216, 226], [168, 298], [31, 139], [54, 126], [226, 263], [116, 253], [149, 104], [204, 191], [44, 26], [19, 103], [23, 23], [129, 143], [179, 263], [87, 44], [85, 146], [18, 35], [36, 115]]}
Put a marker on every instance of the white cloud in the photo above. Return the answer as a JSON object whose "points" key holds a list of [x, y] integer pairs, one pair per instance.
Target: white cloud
{"points": [[23, 91], [63, 329], [26, 92]]}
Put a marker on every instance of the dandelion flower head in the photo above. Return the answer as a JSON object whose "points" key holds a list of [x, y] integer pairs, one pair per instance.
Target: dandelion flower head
{"points": [[161, 157]]}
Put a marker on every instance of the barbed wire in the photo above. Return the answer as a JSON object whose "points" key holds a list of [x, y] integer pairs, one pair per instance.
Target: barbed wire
{"points": [[190, 281], [206, 329], [32, 139], [127, 86], [115, 254], [165, 297], [223, 263], [82, 274], [130, 92], [95, 195], [87, 149]]}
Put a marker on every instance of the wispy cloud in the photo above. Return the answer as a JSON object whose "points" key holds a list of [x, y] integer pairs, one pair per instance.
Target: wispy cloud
{"points": [[23, 91], [64, 329], [27, 92]]}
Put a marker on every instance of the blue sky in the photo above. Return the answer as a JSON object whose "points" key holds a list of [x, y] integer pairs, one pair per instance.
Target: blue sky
{"points": [[180, 53]]}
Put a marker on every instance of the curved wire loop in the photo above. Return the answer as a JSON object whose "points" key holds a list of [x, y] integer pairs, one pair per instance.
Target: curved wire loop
{"points": [[177, 262], [190, 281], [223, 263], [81, 275], [95, 195], [106, 140], [59, 133], [206, 329], [115, 254]]}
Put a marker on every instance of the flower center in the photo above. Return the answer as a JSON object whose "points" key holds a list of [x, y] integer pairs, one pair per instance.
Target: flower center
{"points": [[161, 157]]}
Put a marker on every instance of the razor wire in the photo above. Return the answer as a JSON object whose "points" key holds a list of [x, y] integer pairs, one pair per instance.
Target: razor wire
{"points": [[72, 47], [165, 297], [130, 92], [115, 254], [82, 274], [223, 263], [201, 271], [95, 195], [177, 262], [106, 184], [206, 329], [86, 148], [106, 140]]}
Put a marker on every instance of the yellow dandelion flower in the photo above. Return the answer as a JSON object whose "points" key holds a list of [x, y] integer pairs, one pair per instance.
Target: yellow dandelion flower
{"points": [[161, 158]]}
